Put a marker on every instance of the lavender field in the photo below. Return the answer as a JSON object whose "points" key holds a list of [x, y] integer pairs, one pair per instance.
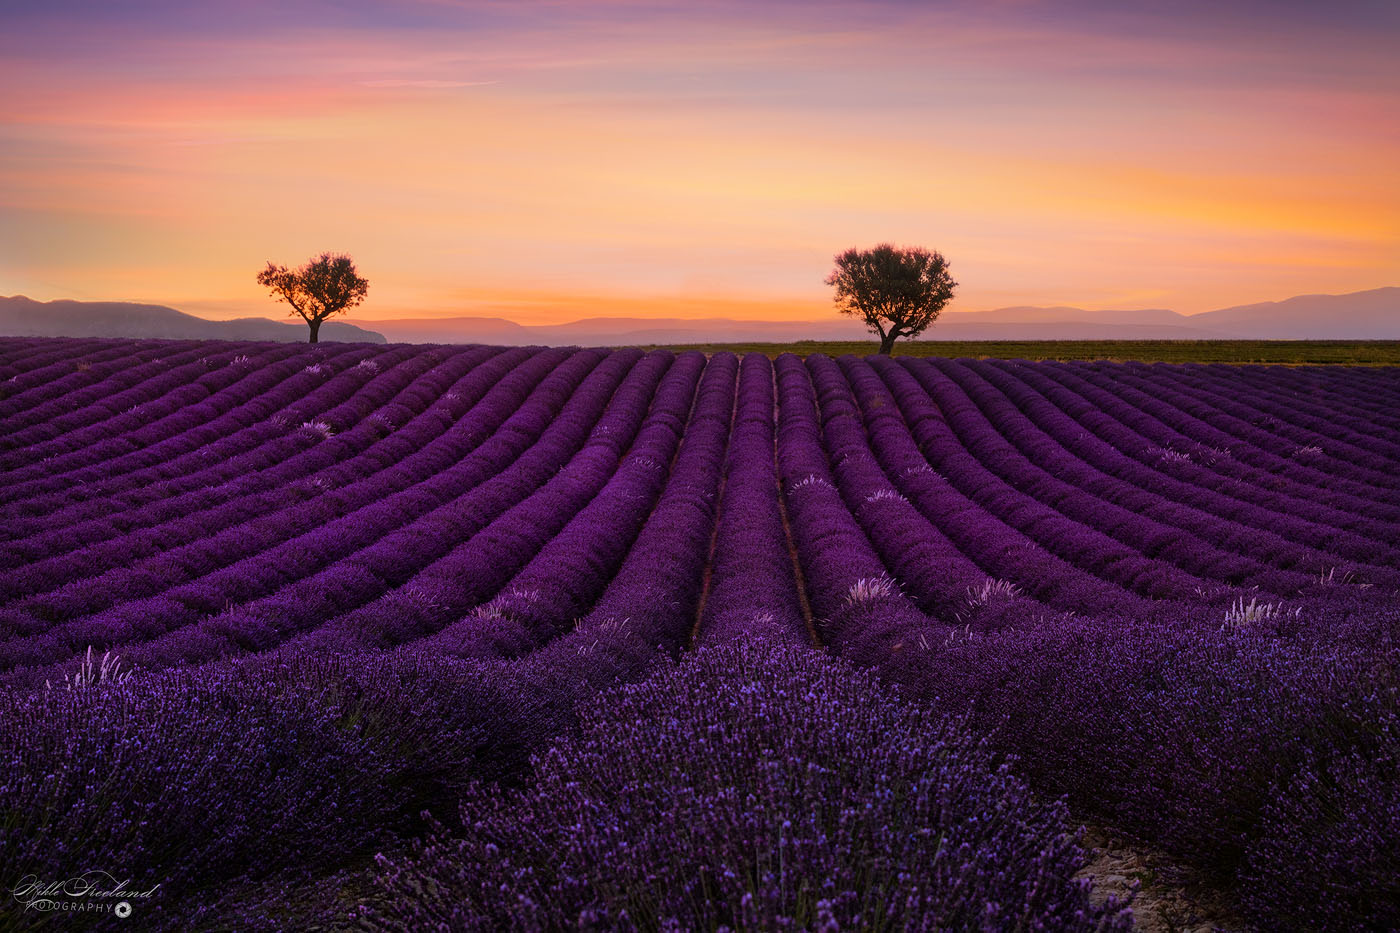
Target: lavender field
{"points": [[401, 637]]}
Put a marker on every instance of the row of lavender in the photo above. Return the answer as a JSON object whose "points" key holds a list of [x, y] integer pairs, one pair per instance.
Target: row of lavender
{"points": [[349, 746], [374, 496], [940, 520], [1260, 744]]}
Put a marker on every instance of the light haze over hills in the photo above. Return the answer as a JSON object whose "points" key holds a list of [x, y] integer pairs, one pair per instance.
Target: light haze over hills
{"points": [[24, 317], [1366, 315]]}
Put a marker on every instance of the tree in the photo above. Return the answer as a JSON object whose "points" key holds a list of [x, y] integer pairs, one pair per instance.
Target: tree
{"points": [[324, 286], [897, 292]]}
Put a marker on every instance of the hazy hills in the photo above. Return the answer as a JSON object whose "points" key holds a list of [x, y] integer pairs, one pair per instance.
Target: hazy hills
{"points": [[1373, 314], [24, 317], [610, 331], [1368, 315]]}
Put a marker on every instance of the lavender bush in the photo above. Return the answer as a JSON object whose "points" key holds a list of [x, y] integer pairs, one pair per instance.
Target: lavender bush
{"points": [[1265, 754], [348, 583], [754, 787], [248, 769]]}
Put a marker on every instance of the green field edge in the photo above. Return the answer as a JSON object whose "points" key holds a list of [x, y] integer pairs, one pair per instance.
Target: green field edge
{"points": [[1277, 352]]}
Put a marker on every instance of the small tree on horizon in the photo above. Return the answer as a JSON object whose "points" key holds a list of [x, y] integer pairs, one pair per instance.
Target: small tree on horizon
{"points": [[898, 292], [326, 285]]}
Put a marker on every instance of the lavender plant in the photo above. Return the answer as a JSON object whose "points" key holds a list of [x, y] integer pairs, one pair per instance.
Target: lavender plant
{"points": [[1168, 591], [754, 787]]}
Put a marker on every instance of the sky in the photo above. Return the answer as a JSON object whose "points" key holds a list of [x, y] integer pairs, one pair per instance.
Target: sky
{"points": [[547, 161]]}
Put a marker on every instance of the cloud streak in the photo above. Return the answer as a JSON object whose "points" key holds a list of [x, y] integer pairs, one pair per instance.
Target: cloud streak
{"points": [[1057, 153], [424, 83]]}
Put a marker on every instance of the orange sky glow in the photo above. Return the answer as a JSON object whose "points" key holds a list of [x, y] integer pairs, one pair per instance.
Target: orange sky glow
{"points": [[549, 161]]}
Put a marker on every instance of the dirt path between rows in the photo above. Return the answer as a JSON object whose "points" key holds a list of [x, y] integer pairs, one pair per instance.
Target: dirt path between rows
{"points": [[1169, 898]]}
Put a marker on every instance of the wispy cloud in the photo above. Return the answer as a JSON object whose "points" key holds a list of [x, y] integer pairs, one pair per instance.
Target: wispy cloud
{"points": [[1069, 151], [424, 82]]}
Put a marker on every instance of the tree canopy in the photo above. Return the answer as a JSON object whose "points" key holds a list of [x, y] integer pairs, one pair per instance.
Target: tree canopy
{"points": [[326, 285], [898, 292]]}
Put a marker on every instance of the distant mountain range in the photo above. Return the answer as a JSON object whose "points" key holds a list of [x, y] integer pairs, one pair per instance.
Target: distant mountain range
{"points": [[24, 317], [1368, 315], [1373, 314]]}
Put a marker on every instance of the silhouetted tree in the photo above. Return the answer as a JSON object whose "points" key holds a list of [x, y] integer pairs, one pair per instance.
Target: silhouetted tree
{"points": [[324, 286], [897, 292]]}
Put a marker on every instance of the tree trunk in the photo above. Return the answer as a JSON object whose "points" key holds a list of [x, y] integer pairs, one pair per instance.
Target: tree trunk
{"points": [[887, 343], [315, 326]]}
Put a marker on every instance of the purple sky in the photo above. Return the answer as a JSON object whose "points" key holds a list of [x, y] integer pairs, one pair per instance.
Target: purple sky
{"points": [[549, 160]]}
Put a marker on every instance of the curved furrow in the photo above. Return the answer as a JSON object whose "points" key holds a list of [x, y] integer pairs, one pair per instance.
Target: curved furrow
{"points": [[1196, 541], [238, 566], [72, 380], [410, 448], [571, 570], [177, 456], [753, 586], [903, 419], [1072, 542], [1370, 411], [1051, 409], [1256, 428], [236, 442], [1178, 434], [133, 415], [1297, 417], [493, 531], [858, 610], [926, 564]]}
